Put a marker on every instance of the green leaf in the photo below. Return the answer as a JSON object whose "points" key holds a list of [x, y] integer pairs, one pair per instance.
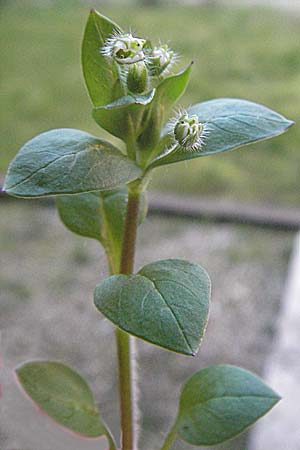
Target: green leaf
{"points": [[63, 395], [123, 117], [101, 216], [100, 73], [165, 303], [170, 89], [220, 402], [67, 161], [81, 213], [231, 123], [128, 100]]}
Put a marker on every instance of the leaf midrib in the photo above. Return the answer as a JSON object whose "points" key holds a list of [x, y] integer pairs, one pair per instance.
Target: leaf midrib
{"points": [[174, 316]]}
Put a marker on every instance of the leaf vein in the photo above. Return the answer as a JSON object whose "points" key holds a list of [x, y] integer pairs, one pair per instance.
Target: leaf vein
{"points": [[174, 316], [19, 183]]}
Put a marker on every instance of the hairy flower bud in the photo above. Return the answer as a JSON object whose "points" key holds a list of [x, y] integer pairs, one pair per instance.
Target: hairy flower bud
{"points": [[161, 60], [124, 48], [189, 133], [137, 78]]}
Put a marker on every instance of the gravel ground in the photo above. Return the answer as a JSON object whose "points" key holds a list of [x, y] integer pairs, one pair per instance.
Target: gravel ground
{"points": [[47, 279]]}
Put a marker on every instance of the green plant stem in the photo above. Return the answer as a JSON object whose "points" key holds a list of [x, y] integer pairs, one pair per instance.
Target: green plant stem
{"points": [[124, 341], [169, 439]]}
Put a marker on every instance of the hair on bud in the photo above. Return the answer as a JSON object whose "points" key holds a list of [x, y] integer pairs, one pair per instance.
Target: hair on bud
{"points": [[188, 132], [124, 48]]}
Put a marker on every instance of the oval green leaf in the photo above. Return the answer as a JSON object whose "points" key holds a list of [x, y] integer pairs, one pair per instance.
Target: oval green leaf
{"points": [[67, 161], [100, 73], [231, 123], [166, 303], [220, 402], [81, 213], [101, 216], [63, 395]]}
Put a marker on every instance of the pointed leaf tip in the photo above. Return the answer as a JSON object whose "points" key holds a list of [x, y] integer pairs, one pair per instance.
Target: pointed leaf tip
{"points": [[219, 402]]}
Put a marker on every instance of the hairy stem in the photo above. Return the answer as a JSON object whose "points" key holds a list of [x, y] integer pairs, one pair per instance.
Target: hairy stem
{"points": [[169, 439], [124, 341]]}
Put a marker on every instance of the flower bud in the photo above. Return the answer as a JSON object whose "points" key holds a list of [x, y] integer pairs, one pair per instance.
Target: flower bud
{"points": [[137, 78], [189, 133], [161, 60]]}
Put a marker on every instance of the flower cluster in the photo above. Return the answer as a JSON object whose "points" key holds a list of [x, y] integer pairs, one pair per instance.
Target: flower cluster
{"points": [[137, 61], [140, 66]]}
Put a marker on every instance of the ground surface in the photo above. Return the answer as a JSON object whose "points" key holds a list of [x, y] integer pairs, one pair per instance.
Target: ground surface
{"points": [[47, 280], [250, 53]]}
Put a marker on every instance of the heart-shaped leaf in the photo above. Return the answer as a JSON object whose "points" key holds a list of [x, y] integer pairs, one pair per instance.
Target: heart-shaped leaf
{"points": [[101, 216], [219, 402], [230, 123], [63, 395], [67, 161], [99, 72], [165, 303]]}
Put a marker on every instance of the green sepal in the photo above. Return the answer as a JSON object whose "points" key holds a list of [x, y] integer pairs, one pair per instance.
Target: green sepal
{"points": [[166, 303], [67, 161], [219, 402], [100, 73], [63, 395], [101, 216], [230, 123]]}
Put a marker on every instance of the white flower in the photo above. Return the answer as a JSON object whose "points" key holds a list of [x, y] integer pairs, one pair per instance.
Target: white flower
{"points": [[124, 48]]}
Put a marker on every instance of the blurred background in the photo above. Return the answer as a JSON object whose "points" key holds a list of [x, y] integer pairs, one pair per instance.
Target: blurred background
{"points": [[248, 49]]}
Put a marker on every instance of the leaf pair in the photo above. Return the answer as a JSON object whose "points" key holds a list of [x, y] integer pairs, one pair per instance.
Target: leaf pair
{"points": [[216, 403], [67, 161]]}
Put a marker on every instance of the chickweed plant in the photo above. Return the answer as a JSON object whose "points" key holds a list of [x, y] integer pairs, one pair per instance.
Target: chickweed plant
{"points": [[100, 194]]}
